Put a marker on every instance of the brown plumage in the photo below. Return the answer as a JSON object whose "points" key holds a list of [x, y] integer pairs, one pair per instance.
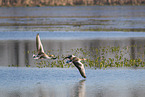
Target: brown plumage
{"points": [[77, 62]]}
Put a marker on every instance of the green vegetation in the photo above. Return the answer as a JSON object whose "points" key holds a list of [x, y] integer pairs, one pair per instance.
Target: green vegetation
{"points": [[101, 58]]}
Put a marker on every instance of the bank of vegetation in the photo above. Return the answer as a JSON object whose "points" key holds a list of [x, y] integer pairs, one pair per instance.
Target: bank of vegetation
{"points": [[10, 3]]}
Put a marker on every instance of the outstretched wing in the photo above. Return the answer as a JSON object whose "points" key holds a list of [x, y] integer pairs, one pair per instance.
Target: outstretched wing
{"points": [[39, 45], [80, 67]]}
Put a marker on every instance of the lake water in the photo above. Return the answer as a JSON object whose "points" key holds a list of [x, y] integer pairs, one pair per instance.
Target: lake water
{"points": [[85, 31], [58, 82], [76, 18]]}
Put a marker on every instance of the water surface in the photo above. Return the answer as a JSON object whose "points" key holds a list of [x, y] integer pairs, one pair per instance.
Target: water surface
{"points": [[63, 31], [69, 18], [57, 82]]}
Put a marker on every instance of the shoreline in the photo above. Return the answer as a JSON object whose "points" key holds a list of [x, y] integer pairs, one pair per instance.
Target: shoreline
{"points": [[40, 3]]}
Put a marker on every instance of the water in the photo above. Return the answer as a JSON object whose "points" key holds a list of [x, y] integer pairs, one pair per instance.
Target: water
{"points": [[69, 35], [57, 82], [62, 31], [78, 18]]}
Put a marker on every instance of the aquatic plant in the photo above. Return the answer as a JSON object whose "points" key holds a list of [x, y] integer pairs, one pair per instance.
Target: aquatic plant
{"points": [[101, 58]]}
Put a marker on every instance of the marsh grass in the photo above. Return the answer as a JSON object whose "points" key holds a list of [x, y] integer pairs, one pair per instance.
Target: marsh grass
{"points": [[103, 57], [96, 58]]}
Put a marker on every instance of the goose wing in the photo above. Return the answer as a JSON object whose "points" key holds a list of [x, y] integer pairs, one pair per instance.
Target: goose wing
{"points": [[39, 45], [80, 67]]}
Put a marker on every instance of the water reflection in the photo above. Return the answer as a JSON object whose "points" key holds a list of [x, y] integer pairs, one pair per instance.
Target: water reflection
{"points": [[79, 89], [19, 52], [40, 90]]}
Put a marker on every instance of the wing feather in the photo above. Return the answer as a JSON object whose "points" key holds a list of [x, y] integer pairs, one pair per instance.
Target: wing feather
{"points": [[80, 67], [39, 45]]}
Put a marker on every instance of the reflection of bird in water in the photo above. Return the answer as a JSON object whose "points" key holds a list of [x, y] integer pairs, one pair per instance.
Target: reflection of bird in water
{"points": [[77, 62], [80, 89], [41, 54]]}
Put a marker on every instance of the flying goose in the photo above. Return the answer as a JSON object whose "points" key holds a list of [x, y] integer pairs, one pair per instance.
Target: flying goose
{"points": [[77, 62], [41, 54]]}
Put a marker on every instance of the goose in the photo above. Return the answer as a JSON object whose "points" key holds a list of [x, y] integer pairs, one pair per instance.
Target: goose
{"points": [[77, 62], [41, 54]]}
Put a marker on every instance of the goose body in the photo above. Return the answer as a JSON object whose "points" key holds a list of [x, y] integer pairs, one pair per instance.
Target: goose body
{"points": [[40, 51], [77, 62]]}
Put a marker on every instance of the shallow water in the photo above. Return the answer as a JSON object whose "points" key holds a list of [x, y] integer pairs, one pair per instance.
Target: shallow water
{"points": [[70, 35], [70, 18], [62, 31], [57, 82]]}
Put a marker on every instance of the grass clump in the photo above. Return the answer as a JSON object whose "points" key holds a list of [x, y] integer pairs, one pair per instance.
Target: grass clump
{"points": [[96, 58], [103, 57]]}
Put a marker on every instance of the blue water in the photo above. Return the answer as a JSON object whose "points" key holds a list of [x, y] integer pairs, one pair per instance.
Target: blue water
{"points": [[64, 82], [62, 35]]}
